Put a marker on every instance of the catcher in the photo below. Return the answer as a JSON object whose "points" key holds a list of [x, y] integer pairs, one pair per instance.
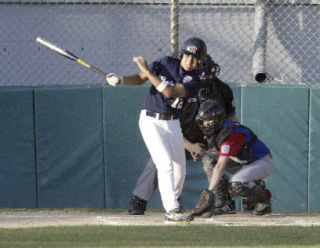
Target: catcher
{"points": [[237, 143]]}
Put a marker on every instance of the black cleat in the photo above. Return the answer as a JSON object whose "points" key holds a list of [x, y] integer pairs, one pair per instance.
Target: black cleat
{"points": [[263, 208], [229, 207], [137, 206], [247, 205]]}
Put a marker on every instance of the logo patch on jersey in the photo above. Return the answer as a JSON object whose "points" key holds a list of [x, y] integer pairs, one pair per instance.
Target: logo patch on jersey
{"points": [[164, 79], [192, 49], [187, 79], [225, 149]]}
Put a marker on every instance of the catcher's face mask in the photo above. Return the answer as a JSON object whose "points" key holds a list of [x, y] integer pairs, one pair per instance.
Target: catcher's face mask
{"points": [[214, 123], [210, 116]]}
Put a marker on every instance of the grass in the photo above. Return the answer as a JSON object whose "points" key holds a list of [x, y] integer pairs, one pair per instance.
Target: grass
{"points": [[160, 236]]}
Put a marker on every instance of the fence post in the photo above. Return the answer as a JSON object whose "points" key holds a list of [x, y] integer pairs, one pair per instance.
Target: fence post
{"points": [[174, 29]]}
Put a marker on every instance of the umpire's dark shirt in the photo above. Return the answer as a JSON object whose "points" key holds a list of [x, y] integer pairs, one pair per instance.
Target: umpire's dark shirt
{"points": [[190, 129]]}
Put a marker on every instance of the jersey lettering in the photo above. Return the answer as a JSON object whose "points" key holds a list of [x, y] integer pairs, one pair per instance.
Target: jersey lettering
{"points": [[164, 80], [177, 103]]}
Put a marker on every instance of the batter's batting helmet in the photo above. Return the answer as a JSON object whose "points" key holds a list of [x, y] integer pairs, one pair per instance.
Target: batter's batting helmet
{"points": [[195, 47]]}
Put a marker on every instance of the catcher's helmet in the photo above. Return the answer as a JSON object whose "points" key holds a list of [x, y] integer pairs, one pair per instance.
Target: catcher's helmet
{"points": [[211, 110], [195, 47]]}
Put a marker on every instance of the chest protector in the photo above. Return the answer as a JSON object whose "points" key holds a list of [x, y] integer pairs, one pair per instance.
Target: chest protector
{"points": [[245, 153]]}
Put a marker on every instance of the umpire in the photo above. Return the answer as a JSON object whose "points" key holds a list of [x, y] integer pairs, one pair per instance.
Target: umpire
{"points": [[194, 142]]}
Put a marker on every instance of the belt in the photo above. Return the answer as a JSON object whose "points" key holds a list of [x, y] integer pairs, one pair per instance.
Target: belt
{"points": [[162, 116]]}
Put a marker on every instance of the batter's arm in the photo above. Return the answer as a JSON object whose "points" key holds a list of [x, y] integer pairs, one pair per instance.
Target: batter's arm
{"points": [[135, 79], [169, 91]]}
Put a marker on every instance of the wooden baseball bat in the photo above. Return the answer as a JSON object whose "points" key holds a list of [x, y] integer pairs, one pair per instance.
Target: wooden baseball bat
{"points": [[68, 55]]}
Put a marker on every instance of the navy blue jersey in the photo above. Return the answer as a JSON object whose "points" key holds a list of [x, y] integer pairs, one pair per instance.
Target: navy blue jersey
{"points": [[168, 69]]}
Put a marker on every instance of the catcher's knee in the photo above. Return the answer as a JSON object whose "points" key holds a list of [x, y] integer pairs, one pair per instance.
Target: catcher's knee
{"points": [[238, 189], [260, 183]]}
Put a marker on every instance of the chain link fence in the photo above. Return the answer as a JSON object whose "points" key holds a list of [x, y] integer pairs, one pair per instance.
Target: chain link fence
{"points": [[273, 40]]}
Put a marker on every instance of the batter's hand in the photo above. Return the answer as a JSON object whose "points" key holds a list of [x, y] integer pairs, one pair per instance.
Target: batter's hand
{"points": [[114, 79], [142, 63]]}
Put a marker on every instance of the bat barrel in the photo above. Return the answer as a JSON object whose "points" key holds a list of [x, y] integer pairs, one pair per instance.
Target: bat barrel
{"points": [[57, 49], [67, 54]]}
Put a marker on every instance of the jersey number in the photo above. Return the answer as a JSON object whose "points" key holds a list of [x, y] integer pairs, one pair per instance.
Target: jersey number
{"points": [[177, 103]]}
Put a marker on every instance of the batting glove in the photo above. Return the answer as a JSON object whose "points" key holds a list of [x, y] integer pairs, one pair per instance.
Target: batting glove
{"points": [[114, 79]]}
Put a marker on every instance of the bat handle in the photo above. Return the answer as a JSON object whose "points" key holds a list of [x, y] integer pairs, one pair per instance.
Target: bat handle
{"points": [[99, 71]]}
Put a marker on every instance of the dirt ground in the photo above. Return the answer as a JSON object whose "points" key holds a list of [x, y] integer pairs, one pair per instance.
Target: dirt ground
{"points": [[27, 219]]}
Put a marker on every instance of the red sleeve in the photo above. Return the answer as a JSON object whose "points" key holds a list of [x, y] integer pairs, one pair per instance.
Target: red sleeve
{"points": [[232, 144]]}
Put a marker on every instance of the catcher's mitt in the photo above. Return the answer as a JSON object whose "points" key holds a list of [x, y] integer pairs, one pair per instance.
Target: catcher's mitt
{"points": [[205, 204]]}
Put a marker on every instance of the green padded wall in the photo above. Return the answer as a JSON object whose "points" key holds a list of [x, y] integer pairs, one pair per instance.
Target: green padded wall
{"points": [[236, 89], [17, 154], [314, 162], [69, 143], [126, 154], [195, 182], [81, 147], [279, 116]]}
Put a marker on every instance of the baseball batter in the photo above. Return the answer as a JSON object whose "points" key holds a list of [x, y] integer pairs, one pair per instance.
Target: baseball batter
{"points": [[194, 141], [172, 80]]}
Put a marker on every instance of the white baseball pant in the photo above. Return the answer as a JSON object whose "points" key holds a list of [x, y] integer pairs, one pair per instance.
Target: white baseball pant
{"points": [[164, 141], [256, 170]]}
